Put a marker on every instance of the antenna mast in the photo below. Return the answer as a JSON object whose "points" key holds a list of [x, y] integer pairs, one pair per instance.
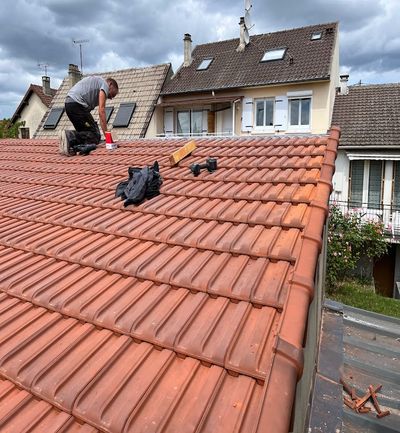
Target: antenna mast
{"points": [[80, 42], [43, 66]]}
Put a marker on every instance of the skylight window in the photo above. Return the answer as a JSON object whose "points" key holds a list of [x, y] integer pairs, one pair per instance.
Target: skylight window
{"points": [[204, 64], [316, 35], [124, 114], [53, 118], [274, 55]]}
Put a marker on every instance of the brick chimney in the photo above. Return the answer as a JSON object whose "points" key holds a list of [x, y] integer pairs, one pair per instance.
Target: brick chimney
{"points": [[344, 90], [242, 43], [74, 74], [46, 85], [187, 49]]}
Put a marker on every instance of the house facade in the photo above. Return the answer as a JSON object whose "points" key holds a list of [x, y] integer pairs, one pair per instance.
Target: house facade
{"points": [[367, 177], [277, 83], [33, 107]]}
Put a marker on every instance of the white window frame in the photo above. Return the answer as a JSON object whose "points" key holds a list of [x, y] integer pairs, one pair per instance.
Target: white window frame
{"points": [[298, 127], [366, 185], [264, 127], [190, 111]]}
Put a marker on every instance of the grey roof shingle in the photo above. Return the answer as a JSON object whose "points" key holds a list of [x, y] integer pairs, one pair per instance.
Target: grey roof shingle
{"points": [[139, 85], [304, 60], [369, 115]]}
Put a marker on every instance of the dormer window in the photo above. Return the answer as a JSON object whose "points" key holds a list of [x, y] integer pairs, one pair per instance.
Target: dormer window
{"points": [[278, 54], [316, 35], [204, 64]]}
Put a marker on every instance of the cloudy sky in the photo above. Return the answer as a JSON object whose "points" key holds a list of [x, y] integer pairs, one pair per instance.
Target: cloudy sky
{"points": [[133, 33]]}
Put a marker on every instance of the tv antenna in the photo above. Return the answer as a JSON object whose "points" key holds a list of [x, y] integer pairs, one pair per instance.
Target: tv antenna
{"points": [[80, 42], [248, 25], [43, 66]]}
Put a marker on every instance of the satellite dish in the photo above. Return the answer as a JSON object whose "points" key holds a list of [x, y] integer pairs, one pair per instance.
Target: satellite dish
{"points": [[247, 20], [247, 4], [246, 36]]}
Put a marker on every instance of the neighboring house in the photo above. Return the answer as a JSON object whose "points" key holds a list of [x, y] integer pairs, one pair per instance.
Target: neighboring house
{"points": [[33, 107], [367, 176], [129, 114], [195, 311], [282, 82]]}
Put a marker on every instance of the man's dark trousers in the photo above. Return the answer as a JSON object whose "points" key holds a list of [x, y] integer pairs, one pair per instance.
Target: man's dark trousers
{"points": [[87, 130]]}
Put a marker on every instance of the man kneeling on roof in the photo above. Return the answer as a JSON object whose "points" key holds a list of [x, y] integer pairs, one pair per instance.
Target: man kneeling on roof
{"points": [[81, 99]]}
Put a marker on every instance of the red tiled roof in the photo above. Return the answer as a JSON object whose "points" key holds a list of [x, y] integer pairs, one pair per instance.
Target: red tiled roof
{"points": [[186, 313], [38, 90], [304, 60]]}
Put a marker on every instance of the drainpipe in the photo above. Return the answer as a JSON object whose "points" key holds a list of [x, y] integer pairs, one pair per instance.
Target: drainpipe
{"points": [[234, 115]]}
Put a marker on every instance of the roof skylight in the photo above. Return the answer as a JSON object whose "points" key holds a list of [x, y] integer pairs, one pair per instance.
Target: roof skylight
{"points": [[316, 35], [274, 55], [204, 64]]}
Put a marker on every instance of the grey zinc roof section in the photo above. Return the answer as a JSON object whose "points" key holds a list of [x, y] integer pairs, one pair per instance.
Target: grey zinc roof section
{"points": [[369, 116], [363, 348], [304, 60], [139, 85]]}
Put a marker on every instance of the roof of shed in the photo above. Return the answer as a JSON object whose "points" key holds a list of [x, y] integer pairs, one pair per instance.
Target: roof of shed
{"points": [[185, 313], [304, 60]]}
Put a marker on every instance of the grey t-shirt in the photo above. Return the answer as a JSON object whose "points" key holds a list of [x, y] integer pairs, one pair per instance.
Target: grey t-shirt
{"points": [[86, 91]]}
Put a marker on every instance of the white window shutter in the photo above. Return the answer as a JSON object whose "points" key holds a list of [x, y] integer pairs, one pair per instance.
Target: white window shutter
{"points": [[281, 113], [247, 114], [205, 122], [169, 122]]}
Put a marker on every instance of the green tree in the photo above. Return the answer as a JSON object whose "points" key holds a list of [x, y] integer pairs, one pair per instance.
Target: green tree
{"points": [[8, 129], [350, 237]]}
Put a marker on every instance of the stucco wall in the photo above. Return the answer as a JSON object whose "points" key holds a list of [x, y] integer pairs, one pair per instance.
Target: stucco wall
{"points": [[33, 113]]}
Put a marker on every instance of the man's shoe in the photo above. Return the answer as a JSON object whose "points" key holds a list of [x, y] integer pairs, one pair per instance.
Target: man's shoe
{"points": [[85, 149], [65, 146]]}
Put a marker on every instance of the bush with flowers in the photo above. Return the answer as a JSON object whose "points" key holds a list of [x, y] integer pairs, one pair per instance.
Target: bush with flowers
{"points": [[349, 238]]}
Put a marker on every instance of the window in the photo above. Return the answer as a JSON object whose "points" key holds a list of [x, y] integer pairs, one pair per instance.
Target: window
{"points": [[124, 115], [366, 183], [316, 35], [274, 55], [190, 122], [264, 112], [204, 64], [299, 112], [24, 132], [396, 186], [53, 118], [109, 111]]}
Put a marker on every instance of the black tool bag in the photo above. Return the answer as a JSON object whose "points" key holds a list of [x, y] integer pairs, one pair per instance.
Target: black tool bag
{"points": [[142, 183]]}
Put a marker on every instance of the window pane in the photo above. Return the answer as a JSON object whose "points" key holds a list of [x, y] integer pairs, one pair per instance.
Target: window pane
{"points": [[183, 123], [357, 179], [396, 186], [305, 111], [197, 122], [260, 113], [294, 111], [375, 184], [269, 112]]}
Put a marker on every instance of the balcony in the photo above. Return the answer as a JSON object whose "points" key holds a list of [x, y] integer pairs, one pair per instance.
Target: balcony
{"points": [[388, 214]]}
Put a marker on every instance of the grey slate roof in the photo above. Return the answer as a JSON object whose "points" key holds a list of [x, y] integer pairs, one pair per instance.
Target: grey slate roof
{"points": [[304, 60], [139, 85], [369, 115]]}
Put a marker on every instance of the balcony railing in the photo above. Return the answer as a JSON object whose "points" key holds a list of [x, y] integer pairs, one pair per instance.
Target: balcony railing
{"points": [[388, 214]]}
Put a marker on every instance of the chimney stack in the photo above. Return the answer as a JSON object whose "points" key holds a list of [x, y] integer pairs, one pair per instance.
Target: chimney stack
{"points": [[46, 85], [74, 74], [187, 49], [344, 90], [242, 44]]}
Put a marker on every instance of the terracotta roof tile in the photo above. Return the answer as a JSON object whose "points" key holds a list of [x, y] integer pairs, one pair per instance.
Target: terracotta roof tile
{"points": [[304, 60], [180, 314]]}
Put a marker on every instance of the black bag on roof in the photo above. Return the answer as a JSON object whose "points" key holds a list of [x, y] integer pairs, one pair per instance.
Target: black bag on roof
{"points": [[142, 183]]}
